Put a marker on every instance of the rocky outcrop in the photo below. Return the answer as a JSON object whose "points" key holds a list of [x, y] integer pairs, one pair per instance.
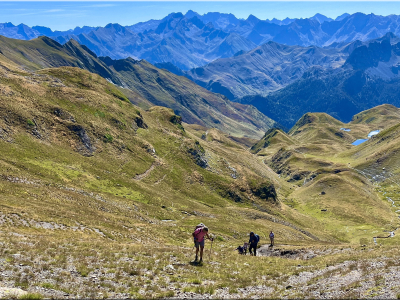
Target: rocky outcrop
{"points": [[86, 148], [198, 155]]}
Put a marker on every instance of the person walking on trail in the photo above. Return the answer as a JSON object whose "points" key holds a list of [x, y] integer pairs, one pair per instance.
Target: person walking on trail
{"points": [[198, 236], [253, 241], [272, 237]]}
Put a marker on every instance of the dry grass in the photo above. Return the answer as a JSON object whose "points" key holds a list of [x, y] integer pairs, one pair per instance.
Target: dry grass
{"points": [[83, 223]]}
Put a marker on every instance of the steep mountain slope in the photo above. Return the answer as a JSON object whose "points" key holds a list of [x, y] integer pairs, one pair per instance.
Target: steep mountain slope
{"points": [[368, 78], [100, 197], [382, 114], [44, 52], [81, 167], [77, 30], [264, 69], [194, 103], [146, 85]]}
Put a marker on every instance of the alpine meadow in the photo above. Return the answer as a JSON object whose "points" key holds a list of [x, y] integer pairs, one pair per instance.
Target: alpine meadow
{"points": [[199, 155]]}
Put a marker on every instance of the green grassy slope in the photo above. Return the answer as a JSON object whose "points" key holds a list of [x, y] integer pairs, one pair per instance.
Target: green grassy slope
{"points": [[145, 85], [101, 196], [195, 104], [273, 138], [331, 178], [82, 167]]}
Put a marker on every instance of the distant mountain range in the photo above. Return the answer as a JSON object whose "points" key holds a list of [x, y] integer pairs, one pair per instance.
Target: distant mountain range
{"points": [[262, 70], [369, 77], [194, 40], [145, 85], [280, 80], [186, 43], [24, 32]]}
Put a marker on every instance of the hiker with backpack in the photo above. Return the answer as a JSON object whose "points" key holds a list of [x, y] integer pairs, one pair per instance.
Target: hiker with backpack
{"points": [[240, 250], [272, 237], [253, 241], [200, 232]]}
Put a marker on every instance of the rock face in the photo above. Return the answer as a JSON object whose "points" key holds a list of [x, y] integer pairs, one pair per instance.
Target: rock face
{"points": [[86, 148], [198, 155]]}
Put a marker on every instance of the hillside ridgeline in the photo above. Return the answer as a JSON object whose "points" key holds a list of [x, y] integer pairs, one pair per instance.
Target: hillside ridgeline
{"points": [[144, 85]]}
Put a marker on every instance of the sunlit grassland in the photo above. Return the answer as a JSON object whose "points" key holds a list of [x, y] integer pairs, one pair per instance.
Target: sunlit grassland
{"points": [[125, 212]]}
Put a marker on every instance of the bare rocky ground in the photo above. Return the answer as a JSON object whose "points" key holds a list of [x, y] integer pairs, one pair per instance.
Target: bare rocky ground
{"points": [[375, 279], [56, 274]]}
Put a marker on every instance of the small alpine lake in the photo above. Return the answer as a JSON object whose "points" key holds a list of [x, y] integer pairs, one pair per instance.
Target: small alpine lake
{"points": [[360, 141]]}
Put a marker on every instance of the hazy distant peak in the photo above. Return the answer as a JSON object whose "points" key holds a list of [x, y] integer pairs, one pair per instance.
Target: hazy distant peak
{"points": [[285, 21], [190, 14], [252, 19], [43, 30], [177, 15], [321, 18], [115, 26], [389, 36], [342, 17]]}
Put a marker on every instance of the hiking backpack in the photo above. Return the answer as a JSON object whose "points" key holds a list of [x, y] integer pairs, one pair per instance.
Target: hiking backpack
{"points": [[257, 237], [201, 225]]}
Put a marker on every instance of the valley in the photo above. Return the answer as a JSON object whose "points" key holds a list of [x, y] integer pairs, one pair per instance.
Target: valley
{"points": [[110, 157]]}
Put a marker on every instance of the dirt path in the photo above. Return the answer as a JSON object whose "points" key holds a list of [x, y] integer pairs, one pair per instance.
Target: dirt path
{"points": [[148, 171]]}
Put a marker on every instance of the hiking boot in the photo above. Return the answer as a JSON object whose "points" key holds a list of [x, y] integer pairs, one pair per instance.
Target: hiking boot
{"points": [[200, 261], [195, 259]]}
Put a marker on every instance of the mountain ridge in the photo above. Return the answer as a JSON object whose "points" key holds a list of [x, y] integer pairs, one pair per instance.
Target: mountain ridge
{"points": [[147, 40], [369, 78], [145, 84]]}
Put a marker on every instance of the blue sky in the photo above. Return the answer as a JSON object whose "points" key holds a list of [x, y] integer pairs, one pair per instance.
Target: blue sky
{"points": [[67, 15]]}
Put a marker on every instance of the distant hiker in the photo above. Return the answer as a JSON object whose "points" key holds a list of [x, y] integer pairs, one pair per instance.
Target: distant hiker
{"points": [[253, 241], [272, 237], [240, 250], [198, 235], [245, 247]]}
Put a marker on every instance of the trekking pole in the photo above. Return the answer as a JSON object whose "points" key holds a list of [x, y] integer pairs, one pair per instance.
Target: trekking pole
{"points": [[209, 257]]}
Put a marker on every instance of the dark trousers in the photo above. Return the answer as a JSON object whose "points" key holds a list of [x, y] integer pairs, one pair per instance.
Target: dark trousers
{"points": [[254, 247]]}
